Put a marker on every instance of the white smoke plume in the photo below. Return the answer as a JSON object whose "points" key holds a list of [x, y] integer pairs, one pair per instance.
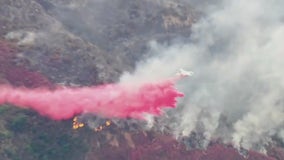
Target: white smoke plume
{"points": [[236, 52]]}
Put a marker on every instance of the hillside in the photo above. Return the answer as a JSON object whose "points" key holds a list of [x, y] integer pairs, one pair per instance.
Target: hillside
{"points": [[51, 43]]}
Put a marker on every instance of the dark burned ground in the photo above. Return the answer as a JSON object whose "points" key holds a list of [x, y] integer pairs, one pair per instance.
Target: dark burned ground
{"points": [[45, 43]]}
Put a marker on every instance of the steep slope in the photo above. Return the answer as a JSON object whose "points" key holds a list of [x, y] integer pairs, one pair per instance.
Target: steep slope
{"points": [[59, 42]]}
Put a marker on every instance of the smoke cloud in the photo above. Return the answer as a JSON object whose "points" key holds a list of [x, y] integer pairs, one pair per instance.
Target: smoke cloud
{"points": [[236, 51]]}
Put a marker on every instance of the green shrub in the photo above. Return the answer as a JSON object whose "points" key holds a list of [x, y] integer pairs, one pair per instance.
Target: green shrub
{"points": [[18, 123], [3, 109]]}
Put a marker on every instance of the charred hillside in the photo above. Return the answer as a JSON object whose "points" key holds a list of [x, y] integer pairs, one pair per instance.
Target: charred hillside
{"points": [[51, 43]]}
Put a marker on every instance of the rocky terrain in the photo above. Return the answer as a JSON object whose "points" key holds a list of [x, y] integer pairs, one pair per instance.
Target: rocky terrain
{"points": [[48, 43], [53, 34]]}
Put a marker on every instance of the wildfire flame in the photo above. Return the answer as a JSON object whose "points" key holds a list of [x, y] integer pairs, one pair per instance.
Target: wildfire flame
{"points": [[77, 125], [101, 127]]}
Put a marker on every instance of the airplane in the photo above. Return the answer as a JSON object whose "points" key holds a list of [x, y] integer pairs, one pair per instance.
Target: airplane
{"points": [[184, 73]]}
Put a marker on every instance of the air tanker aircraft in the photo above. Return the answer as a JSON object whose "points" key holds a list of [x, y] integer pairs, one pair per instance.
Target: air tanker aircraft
{"points": [[184, 73]]}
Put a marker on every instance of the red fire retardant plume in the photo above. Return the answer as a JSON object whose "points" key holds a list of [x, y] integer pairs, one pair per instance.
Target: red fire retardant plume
{"points": [[112, 100]]}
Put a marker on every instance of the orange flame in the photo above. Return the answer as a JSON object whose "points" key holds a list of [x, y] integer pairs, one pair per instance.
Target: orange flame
{"points": [[101, 127], [76, 124]]}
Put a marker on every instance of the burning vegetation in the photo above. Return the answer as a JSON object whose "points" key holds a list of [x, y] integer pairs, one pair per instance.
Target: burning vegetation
{"points": [[78, 124]]}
